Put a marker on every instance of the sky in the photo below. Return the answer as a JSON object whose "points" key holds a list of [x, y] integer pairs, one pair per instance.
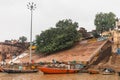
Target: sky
{"points": [[15, 17]]}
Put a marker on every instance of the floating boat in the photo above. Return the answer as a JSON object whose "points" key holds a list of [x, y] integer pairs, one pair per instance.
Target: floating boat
{"points": [[1, 70], [48, 70], [7, 70], [93, 71], [108, 71], [118, 73]]}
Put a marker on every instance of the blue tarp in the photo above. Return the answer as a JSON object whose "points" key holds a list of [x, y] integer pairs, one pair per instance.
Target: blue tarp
{"points": [[101, 38]]}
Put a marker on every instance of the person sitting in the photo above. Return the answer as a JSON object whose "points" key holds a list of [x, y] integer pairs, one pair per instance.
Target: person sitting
{"points": [[54, 61]]}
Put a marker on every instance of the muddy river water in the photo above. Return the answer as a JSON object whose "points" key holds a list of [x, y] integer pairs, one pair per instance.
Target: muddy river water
{"points": [[41, 76]]}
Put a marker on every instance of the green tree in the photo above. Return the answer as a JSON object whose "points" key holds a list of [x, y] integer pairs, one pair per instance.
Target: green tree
{"points": [[22, 39], [95, 34], [84, 33], [63, 36], [104, 21]]}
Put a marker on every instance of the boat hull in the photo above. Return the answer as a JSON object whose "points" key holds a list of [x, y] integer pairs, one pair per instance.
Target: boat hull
{"points": [[92, 71], [18, 71], [107, 73], [47, 70]]}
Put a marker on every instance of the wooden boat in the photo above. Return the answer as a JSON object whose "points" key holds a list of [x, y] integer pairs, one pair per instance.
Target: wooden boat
{"points": [[48, 70], [118, 73], [107, 73], [1, 70], [93, 71], [8, 70]]}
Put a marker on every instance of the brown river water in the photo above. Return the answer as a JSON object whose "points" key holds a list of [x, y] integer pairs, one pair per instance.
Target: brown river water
{"points": [[41, 76]]}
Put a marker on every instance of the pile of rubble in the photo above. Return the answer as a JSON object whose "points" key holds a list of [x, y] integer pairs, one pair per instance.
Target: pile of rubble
{"points": [[9, 50]]}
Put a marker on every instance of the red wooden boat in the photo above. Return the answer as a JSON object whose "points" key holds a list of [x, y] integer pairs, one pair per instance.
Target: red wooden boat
{"points": [[47, 70]]}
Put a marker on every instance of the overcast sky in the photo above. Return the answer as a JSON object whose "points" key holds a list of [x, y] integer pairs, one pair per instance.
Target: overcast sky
{"points": [[15, 17]]}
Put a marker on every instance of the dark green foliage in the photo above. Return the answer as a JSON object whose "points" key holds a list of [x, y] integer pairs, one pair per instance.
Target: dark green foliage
{"points": [[95, 34], [55, 39], [22, 39], [104, 21], [84, 33]]}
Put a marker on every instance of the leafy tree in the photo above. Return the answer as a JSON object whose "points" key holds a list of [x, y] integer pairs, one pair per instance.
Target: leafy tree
{"points": [[66, 23], [22, 39], [95, 34], [84, 33], [104, 21], [63, 36]]}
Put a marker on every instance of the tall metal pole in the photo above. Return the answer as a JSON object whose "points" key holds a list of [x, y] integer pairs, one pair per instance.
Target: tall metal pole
{"points": [[32, 7]]}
